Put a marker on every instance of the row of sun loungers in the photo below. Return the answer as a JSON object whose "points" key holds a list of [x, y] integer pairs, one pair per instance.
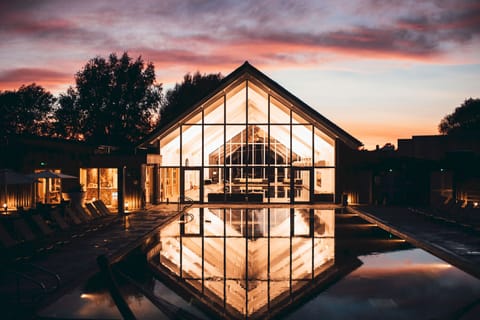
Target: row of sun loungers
{"points": [[33, 232]]}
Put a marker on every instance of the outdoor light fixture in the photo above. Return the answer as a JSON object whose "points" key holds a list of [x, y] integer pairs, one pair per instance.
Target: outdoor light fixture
{"points": [[5, 207], [126, 205], [475, 204]]}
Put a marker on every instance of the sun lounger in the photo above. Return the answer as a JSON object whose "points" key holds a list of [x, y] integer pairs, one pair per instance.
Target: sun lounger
{"points": [[81, 213], [6, 239], [92, 210], [59, 220], [102, 208], [73, 216], [21, 228], [42, 225]]}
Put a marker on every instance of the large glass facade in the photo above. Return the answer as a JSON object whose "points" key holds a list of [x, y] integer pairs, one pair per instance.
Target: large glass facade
{"points": [[246, 262], [248, 145]]}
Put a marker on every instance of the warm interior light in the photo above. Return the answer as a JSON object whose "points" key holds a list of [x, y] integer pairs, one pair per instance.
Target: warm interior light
{"points": [[5, 207], [126, 205], [94, 199]]}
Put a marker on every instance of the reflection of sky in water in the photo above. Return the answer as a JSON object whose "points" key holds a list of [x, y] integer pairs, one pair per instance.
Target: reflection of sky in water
{"points": [[78, 305], [410, 284]]}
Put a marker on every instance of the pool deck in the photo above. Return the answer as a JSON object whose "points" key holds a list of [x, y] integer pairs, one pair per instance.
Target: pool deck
{"points": [[457, 244], [76, 261]]}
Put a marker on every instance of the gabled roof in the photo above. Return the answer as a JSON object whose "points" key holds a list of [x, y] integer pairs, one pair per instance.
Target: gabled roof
{"points": [[247, 71]]}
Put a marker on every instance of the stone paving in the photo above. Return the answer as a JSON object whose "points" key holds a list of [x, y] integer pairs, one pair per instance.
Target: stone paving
{"points": [[457, 244]]}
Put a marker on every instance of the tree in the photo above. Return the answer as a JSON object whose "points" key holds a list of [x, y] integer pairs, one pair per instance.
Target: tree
{"points": [[184, 95], [26, 111], [465, 120], [114, 102]]}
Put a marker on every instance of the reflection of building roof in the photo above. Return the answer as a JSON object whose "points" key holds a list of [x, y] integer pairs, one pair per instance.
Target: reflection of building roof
{"points": [[247, 71]]}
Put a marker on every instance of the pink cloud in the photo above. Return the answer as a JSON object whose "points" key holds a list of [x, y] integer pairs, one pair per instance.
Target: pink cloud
{"points": [[13, 78]]}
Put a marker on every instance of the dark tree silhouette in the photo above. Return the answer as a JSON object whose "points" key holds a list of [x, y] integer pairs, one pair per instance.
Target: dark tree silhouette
{"points": [[465, 120], [115, 102], [26, 111], [185, 94]]}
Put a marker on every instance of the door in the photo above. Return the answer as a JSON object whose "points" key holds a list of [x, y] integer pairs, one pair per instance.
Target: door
{"points": [[192, 188]]}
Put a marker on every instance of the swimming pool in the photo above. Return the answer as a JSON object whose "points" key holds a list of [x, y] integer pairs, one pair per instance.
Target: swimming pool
{"points": [[278, 262]]}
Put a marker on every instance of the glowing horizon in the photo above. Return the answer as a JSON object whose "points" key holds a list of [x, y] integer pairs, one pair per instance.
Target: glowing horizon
{"points": [[381, 71]]}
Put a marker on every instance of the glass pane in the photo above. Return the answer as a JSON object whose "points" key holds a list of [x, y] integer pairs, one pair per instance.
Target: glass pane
{"points": [[109, 187], [214, 112], [259, 254], [170, 247], [214, 185], [324, 223], [324, 181], [301, 258], [236, 295], [257, 296], [280, 144], [302, 145], [301, 222], [279, 112], [192, 257], [170, 148], [89, 178], [324, 254], [192, 184], [214, 290], [302, 185], [279, 259], [169, 184], [214, 258], [324, 149], [214, 151], [191, 221], [296, 118], [236, 104], [213, 222], [195, 118], [235, 258], [192, 145], [257, 104], [280, 222]]}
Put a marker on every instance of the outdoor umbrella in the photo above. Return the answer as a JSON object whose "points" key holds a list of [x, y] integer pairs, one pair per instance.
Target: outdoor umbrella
{"points": [[9, 177], [50, 175]]}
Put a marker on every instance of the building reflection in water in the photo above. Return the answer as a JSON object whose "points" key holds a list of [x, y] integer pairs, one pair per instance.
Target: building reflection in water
{"points": [[246, 262]]}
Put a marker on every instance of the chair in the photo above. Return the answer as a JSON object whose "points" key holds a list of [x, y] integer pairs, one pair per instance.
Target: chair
{"points": [[58, 219], [102, 208], [73, 216], [93, 211]]}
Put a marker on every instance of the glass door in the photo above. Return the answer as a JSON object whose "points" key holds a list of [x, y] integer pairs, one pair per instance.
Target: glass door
{"points": [[192, 184]]}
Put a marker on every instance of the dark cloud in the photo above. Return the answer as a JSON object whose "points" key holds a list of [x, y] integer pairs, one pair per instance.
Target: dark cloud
{"points": [[213, 33]]}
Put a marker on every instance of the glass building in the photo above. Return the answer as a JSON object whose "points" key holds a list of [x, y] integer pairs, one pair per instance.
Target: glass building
{"points": [[248, 141]]}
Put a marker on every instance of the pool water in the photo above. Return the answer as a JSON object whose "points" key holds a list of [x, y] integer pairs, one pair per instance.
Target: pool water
{"points": [[364, 273]]}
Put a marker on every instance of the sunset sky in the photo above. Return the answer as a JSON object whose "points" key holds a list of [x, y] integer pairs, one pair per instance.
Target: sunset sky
{"points": [[381, 70]]}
